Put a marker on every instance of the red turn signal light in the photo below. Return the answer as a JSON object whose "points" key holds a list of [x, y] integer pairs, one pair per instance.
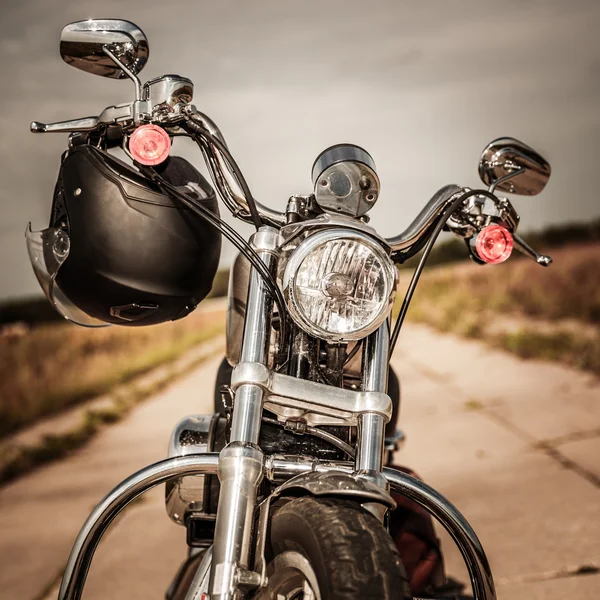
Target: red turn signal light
{"points": [[149, 145], [494, 244]]}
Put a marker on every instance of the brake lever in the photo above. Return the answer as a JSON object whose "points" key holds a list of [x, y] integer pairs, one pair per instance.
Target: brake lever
{"points": [[522, 246]]}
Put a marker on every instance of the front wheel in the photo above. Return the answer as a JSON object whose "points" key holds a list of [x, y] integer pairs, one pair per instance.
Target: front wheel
{"points": [[331, 549]]}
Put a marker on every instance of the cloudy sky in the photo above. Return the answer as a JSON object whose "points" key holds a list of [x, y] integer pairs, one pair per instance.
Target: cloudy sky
{"points": [[423, 86]]}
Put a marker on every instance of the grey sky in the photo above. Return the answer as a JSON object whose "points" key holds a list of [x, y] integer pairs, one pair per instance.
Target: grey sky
{"points": [[423, 86]]}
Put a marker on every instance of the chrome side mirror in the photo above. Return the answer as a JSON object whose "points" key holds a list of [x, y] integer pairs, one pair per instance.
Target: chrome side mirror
{"points": [[509, 165], [87, 45]]}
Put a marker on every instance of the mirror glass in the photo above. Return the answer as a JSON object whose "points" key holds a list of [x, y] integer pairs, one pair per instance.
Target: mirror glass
{"points": [[82, 43], [505, 156]]}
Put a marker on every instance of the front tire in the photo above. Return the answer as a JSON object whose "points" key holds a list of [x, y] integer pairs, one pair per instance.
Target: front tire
{"points": [[332, 549]]}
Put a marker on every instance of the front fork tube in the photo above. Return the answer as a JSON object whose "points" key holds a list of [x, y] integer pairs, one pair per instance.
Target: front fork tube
{"points": [[371, 426], [241, 461]]}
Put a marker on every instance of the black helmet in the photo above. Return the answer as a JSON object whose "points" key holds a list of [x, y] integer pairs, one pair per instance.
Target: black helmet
{"points": [[120, 251]]}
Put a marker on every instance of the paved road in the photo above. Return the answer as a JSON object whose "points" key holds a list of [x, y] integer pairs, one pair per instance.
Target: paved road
{"points": [[474, 418]]}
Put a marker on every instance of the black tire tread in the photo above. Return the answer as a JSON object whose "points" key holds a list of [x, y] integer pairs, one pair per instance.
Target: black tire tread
{"points": [[352, 554]]}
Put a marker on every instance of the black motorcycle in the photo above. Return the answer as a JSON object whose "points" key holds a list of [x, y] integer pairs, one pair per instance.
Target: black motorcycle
{"points": [[283, 490]]}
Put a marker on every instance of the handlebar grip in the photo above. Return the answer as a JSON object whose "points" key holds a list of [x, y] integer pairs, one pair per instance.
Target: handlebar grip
{"points": [[85, 124]]}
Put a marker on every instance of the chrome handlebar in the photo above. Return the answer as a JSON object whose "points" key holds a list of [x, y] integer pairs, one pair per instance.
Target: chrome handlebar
{"points": [[433, 209], [140, 111], [135, 113], [238, 205]]}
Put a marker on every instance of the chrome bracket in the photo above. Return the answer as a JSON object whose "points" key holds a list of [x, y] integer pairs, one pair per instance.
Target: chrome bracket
{"points": [[262, 524], [316, 403]]}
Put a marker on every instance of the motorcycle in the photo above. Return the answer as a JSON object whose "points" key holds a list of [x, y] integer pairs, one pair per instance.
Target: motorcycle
{"points": [[284, 491]]}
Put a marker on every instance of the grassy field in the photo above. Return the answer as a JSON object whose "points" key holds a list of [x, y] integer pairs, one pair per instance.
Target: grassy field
{"points": [[47, 368], [551, 313]]}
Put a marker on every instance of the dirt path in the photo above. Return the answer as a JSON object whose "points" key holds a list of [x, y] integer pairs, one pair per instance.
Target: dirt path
{"points": [[475, 421]]}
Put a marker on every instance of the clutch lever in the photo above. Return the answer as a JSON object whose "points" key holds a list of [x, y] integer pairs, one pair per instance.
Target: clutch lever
{"points": [[85, 124], [109, 116], [522, 246]]}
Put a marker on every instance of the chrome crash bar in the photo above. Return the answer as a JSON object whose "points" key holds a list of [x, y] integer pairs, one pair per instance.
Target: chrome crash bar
{"points": [[276, 469]]}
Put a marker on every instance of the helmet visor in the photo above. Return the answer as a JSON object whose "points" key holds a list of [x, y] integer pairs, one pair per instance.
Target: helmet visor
{"points": [[48, 249]]}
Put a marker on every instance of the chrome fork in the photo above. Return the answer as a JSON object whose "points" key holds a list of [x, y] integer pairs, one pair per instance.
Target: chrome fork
{"points": [[371, 425], [241, 461]]}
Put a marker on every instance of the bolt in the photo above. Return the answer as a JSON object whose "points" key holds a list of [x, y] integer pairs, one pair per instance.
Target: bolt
{"points": [[364, 183]]}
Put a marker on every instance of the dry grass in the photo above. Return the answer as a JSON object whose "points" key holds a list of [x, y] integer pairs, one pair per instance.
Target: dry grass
{"points": [[16, 460], [569, 288], [551, 313], [51, 367], [563, 346]]}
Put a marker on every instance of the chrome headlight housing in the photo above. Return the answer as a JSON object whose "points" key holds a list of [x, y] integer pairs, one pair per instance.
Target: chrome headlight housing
{"points": [[339, 285]]}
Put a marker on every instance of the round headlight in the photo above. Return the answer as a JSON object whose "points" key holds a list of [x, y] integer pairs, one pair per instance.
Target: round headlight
{"points": [[339, 285]]}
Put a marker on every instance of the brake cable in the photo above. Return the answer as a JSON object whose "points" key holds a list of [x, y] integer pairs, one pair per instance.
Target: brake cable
{"points": [[226, 230], [428, 247], [197, 129]]}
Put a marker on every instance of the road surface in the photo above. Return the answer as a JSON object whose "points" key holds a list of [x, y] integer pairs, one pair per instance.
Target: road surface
{"points": [[474, 418]]}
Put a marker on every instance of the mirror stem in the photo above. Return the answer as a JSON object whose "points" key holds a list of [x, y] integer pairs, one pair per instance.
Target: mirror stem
{"points": [[130, 74], [503, 179]]}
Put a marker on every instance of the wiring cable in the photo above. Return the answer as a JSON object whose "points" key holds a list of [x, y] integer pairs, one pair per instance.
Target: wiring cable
{"points": [[428, 247], [318, 433], [195, 129]]}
